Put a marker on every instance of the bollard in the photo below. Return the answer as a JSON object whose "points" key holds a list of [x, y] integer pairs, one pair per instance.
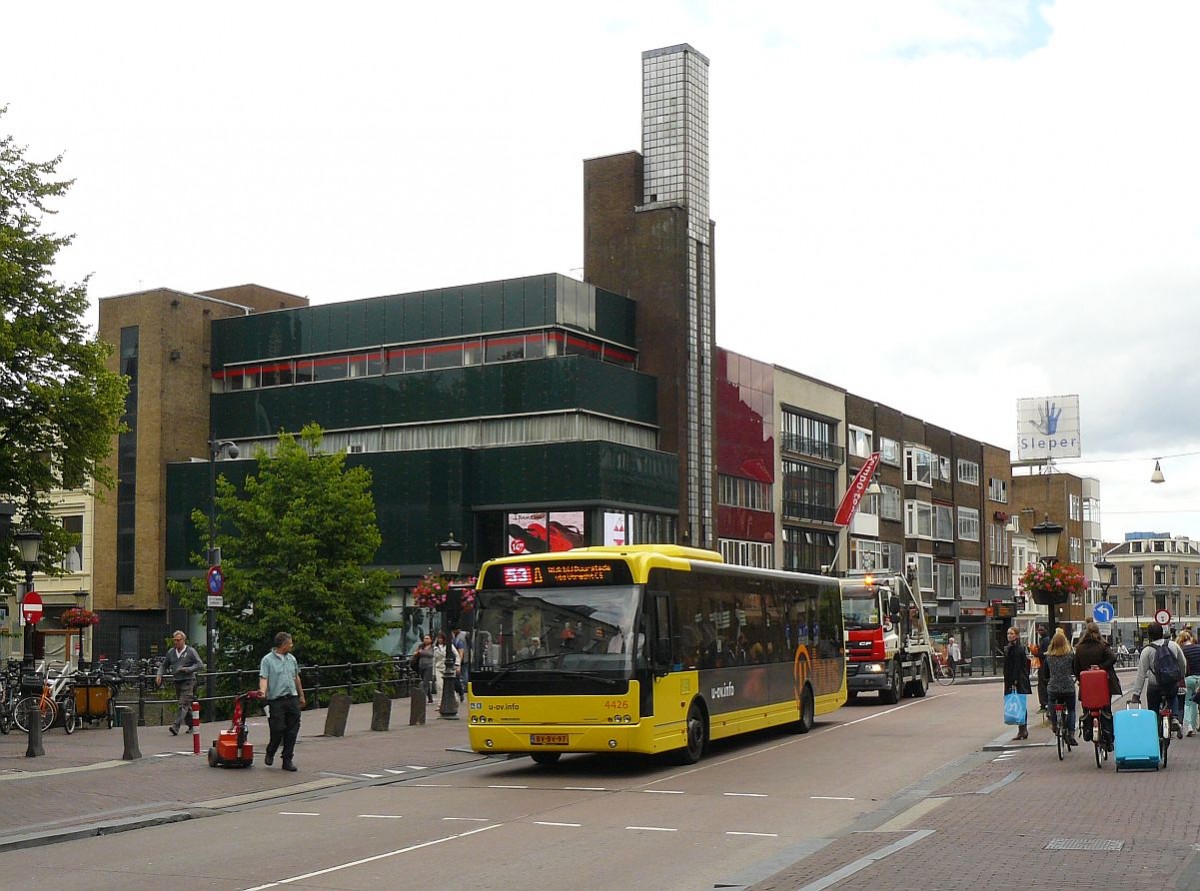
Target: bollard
{"points": [[129, 729], [416, 706], [337, 714], [34, 749], [195, 728], [381, 711]]}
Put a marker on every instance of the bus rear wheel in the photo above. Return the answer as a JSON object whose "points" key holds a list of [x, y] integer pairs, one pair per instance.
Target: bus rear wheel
{"points": [[545, 757], [697, 736]]}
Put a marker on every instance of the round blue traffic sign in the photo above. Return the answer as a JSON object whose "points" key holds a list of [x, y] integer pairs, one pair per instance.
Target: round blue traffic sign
{"points": [[1104, 611], [216, 581]]}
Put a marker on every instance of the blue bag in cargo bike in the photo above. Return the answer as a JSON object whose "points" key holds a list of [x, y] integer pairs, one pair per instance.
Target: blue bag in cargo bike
{"points": [[1136, 743]]}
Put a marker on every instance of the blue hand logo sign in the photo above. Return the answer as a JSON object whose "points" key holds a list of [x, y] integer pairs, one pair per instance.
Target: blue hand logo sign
{"points": [[1048, 416]]}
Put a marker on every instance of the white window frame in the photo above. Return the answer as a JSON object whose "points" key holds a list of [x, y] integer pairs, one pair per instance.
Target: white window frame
{"points": [[1075, 507], [998, 544], [968, 524], [918, 466], [943, 466], [923, 564], [866, 554], [918, 516], [858, 441], [968, 472], [970, 581]]}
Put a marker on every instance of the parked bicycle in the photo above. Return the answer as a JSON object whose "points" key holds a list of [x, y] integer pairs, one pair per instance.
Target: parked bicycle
{"points": [[56, 699]]}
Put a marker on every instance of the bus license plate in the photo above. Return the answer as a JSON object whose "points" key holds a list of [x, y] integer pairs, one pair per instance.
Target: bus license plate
{"points": [[548, 739]]}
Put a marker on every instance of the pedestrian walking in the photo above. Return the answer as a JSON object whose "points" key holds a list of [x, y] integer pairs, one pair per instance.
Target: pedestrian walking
{"points": [[953, 655], [1060, 684], [182, 661], [463, 645], [279, 683], [424, 654], [1191, 712], [1094, 651], [1016, 674]]}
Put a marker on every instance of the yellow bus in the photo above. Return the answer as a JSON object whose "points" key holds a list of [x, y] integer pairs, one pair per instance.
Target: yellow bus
{"points": [[649, 649]]}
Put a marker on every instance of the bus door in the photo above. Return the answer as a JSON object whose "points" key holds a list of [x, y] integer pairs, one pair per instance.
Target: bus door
{"points": [[654, 656]]}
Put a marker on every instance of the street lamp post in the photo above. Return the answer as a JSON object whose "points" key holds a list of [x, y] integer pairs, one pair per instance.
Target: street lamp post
{"points": [[82, 597], [215, 448], [451, 553], [1047, 535], [29, 541]]}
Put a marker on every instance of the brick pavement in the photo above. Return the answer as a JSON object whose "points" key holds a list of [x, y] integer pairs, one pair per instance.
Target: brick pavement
{"points": [[82, 781], [999, 838]]}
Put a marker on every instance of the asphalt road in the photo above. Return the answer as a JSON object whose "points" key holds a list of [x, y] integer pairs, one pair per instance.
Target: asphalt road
{"points": [[749, 808]]}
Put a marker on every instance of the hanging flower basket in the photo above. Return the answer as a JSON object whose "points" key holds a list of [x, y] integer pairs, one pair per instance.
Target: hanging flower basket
{"points": [[433, 591], [1051, 586], [78, 617]]}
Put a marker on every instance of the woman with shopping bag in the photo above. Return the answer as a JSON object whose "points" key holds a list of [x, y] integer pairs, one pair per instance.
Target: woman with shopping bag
{"points": [[1016, 684]]}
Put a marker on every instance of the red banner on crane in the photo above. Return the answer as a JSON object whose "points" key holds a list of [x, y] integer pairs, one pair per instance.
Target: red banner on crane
{"points": [[858, 488]]}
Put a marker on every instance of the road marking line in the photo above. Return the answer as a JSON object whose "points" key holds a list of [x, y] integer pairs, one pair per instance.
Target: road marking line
{"points": [[374, 776], [501, 786], [164, 755], [468, 819], [299, 814], [663, 791], [547, 823], [756, 834], [745, 794], [432, 785], [341, 866], [381, 816], [652, 828], [863, 862], [585, 788], [389, 770], [414, 766], [829, 798], [906, 818]]}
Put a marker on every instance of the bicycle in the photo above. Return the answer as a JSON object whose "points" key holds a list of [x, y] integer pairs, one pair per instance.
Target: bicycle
{"points": [[1062, 729], [941, 671], [1165, 719], [1100, 737], [57, 697]]}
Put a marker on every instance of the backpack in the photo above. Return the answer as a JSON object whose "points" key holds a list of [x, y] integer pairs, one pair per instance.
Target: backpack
{"points": [[1166, 668]]}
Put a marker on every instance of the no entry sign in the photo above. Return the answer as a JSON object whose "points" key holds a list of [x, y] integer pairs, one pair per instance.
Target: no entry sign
{"points": [[31, 607]]}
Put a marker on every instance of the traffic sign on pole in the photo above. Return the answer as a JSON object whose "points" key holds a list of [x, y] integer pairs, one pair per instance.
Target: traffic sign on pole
{"points": [[31, 607], [1163, 617], [216, 581], [1104, 611]]}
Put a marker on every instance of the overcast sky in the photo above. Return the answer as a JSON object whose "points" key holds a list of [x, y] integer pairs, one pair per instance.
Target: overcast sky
{"points": [[943, 206]]}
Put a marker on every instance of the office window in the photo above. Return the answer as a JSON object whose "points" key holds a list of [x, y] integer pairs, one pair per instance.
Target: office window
{"points": [[943, 582], [943, 522], [918, 519], [859, 441], [968, 524], [969, 581], [889, 506], [918, 466], [968, 472], [998, 490]]}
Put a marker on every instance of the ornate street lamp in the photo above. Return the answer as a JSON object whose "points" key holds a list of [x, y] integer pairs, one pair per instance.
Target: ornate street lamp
{"points": [[1107, 577], [451, 552], [216, 447], [29, 542], [1047, 535]]}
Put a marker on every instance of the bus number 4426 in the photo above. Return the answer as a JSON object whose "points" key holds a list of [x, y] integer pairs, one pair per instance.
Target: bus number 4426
{"points": [[617, 703]]}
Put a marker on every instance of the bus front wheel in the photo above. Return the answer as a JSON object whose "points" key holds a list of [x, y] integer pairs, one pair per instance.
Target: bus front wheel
{"points": [[697, 736]]}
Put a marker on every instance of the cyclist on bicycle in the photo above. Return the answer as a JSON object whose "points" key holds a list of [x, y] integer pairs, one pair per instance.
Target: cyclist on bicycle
{"points": [[1147, 675], [1093, 651], [1060, 683]]}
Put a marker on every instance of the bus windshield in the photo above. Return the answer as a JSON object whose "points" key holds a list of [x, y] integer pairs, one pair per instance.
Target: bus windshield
{"points": [[575, 629], [860, 612]]}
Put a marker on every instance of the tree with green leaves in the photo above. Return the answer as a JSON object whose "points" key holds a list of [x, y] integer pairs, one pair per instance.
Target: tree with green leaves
{"points": [[60, 407], [294, 546]]}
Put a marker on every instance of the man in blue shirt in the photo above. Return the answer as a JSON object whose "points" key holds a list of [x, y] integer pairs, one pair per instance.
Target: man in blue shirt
{"points": [[279, 683]]}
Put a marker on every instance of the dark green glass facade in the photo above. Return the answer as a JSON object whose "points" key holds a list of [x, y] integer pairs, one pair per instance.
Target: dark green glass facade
{"points": [[511, 305]]}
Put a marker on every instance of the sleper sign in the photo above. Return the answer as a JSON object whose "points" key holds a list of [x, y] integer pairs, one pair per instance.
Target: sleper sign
{"points": [[849, 506]]}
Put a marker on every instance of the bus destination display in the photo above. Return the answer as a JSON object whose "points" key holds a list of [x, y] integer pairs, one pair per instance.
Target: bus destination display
{"points": [[558, 575]]}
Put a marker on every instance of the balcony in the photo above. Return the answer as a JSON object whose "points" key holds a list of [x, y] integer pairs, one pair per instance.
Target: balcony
{"points": [[800, 510], [812, 448]]}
